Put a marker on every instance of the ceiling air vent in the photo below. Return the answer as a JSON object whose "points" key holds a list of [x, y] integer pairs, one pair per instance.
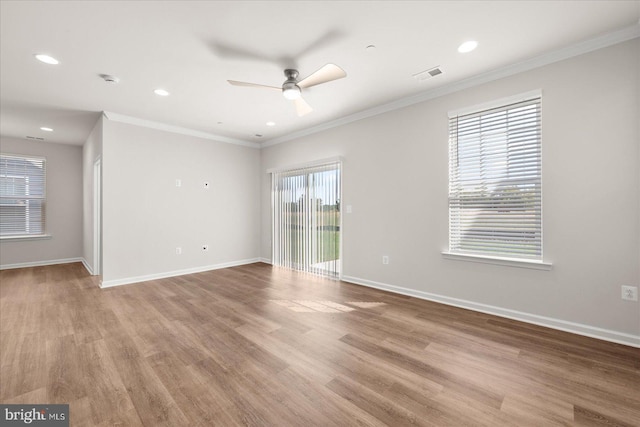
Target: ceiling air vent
{"points": [[109, 78], [427, 74], [37, 138]]}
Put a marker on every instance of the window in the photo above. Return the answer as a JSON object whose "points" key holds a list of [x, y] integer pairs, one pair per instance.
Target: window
{"points": [[22, 196], [495, 202], [306, 219]]}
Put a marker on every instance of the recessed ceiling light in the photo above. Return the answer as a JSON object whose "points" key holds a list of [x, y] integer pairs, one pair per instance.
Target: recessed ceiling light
{"points": [[161, 92], [46, 129], [271, 123], [47, 59], [467, 46]]}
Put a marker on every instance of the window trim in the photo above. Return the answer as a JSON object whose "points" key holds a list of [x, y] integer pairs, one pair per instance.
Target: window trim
{"points": [[521, 97], [25, 237], [487, 258], [509, 262], [44, 235]]}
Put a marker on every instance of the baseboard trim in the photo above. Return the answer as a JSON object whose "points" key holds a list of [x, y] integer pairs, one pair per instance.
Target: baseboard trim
{"points": [[40, 263], [87, 267], [164, 275], [265, 260], [549, 322]]}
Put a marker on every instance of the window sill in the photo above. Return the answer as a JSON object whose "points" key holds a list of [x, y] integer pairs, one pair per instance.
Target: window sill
{"points": [[509, 262], [24, 238]]}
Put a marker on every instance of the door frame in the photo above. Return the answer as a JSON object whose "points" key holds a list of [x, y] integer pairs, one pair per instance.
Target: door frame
{"points": [[97, 217]]}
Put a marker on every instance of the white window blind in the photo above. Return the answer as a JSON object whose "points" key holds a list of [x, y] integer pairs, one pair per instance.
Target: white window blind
{"points": [[495, 201], [22, 196], [306, 219]]}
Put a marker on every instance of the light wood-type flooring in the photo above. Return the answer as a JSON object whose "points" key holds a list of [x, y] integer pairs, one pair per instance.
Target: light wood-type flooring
{"points": [[262, 346]]}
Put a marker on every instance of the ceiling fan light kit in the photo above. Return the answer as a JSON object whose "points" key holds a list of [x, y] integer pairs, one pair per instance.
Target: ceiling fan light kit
{"points": [[292, 88], [292, 92]]}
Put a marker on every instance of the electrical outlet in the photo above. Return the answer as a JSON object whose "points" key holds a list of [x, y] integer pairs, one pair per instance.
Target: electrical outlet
{"points": [[630, 293], [178, 251], [385, 259], [205, 248]]}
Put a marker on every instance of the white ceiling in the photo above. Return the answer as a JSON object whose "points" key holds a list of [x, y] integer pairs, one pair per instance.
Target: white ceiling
{"points": [[192, 48]]}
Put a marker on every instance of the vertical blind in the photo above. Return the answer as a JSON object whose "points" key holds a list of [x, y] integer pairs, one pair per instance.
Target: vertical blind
{"points": [[306, 219], [495, 202], [22, 195]]}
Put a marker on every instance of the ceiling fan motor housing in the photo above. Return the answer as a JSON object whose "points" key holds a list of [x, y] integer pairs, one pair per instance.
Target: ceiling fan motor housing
{"points": [[291, 75]]}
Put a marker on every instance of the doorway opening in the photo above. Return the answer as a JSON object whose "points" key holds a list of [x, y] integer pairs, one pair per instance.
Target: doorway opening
{"points": [[306, 219]]}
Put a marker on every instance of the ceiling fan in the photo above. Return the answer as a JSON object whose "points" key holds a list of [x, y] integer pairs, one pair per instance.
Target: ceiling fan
{"points": [[292, 88]]}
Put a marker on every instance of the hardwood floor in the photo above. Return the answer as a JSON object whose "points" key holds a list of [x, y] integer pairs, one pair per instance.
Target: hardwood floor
{"points": [[256, 345]]}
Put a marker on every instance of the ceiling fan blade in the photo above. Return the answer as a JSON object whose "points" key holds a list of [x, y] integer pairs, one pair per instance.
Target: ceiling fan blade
{"points": [[325, 74], [236, 83], [302, 107]]}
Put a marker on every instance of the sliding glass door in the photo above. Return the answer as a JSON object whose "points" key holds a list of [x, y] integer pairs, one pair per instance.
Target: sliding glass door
{"points": [[306, 219]]}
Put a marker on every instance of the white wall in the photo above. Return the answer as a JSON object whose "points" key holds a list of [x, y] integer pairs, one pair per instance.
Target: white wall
{"points": [[145, 216], [395, 177], [63, 209], [91, 151]]}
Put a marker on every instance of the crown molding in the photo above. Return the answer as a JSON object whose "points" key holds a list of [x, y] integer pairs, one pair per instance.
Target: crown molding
{"points": [[176, 129], [599, 42]]}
